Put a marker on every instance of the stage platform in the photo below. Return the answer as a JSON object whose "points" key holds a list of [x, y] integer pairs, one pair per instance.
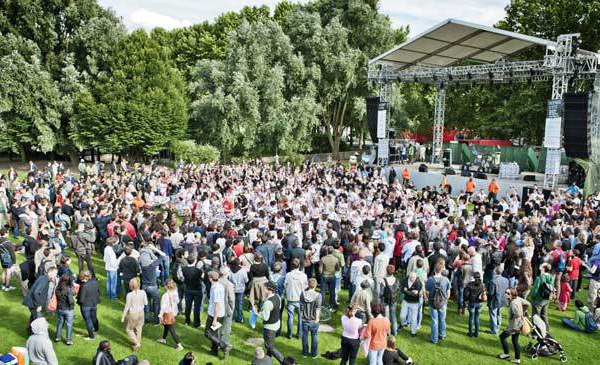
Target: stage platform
{"points": [[433, 177]]}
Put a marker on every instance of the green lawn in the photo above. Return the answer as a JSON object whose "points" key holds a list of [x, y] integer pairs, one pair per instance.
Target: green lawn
{"points": [[580, 348]]}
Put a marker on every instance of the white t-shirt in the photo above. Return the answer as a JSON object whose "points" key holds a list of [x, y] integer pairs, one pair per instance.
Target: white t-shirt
{"points": [[217, 295]]}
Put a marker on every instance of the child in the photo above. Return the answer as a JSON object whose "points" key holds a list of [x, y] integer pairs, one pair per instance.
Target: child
{"points": [[565, 292], [573, 269]]}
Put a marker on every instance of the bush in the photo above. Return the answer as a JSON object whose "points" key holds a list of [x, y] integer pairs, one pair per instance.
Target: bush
{"points": [[295, 159], [190, 151]]}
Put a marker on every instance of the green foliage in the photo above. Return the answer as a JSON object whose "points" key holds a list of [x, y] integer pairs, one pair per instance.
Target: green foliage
{"points": [[294, 159], [29, 98], [259, 100], [189, 151], [137, 106]]}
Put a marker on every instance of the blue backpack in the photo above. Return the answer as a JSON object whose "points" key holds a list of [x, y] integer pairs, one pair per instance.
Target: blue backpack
{"points": [[561, 262], [590, 323]]}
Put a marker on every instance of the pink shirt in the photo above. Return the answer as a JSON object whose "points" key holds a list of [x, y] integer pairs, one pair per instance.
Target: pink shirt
{"points": [[350, 327]]}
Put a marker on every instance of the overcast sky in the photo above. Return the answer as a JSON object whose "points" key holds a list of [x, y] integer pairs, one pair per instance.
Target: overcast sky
{"points": [[419, 14]]}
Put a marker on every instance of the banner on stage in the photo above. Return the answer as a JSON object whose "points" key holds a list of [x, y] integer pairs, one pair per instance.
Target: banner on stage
{"points": [[553, 157], [552, 132], [383, 149], [554, 108], [381, 123]]}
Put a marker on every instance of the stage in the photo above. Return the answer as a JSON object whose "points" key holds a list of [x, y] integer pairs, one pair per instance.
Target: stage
{"points": [[433, 177]]}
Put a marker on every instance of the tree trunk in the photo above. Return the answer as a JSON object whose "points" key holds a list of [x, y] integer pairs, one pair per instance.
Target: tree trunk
{"points": [[23, 152], [73, 155], [336, 146]]}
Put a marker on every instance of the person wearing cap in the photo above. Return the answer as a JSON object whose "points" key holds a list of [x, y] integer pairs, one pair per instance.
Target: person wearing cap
{"points": [[270, 314], [496, 299]]}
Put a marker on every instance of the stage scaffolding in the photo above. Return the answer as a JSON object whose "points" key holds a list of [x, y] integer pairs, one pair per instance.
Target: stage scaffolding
{"points": [[562, 64]]}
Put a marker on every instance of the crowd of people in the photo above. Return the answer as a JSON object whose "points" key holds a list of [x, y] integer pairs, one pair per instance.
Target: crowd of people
{"points": [[244, 243]]}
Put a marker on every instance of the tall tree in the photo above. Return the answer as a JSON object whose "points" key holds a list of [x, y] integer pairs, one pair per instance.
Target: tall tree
{"points": [[259, 100], [29, 98], [138, 106], [338, 38]]}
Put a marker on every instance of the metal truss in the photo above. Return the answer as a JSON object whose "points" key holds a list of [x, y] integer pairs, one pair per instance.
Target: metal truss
{"points": [[562, 63], [438, 125]]}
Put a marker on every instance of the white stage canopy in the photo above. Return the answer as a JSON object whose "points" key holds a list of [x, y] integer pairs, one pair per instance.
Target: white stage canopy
{"points": [[453, 41]]}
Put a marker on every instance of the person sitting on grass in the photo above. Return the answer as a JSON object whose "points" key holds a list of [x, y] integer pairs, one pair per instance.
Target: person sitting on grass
{"points": [[104, 356], [579, 321], [188, 359], [393, 355]]}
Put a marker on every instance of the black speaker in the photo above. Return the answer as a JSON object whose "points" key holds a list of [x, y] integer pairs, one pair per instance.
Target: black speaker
{"points": [[372, 110], [466, 167], [495, 170], [449, 171], [480, 175], [529, 177], [546, 193], [447, 157], [466, 173], [391, 134], [422, 168], [576, 125]]}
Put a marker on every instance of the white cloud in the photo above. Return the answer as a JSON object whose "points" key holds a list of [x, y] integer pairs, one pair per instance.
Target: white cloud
{"points": [[148, 20]]}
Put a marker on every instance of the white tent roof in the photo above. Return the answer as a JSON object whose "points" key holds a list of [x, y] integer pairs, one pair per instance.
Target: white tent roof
{"points": [[455, 40]]}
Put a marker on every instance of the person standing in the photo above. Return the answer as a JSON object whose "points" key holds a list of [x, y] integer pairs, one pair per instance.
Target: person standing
{"points": [[149, 264], [9, 261], [328, 267], [474, 296], [350, 336], [493, 190], [37, 297], [82, 242], [134, 312], [239, 278], [295, 283], [390, 287], [310, 307], [270, 314], [516, 313], [39, 347], [496, 299], [411, 288], [377, 331], [168, 312], [88, 298], [380, 264], [192, 278], [216, 312], [540, 292], [438, 292], [65, 305], [112, 266], [229, 304], [128, 268]]}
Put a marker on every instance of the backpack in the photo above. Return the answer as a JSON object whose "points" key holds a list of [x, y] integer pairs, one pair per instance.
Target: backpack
{"points": [[5, 258], [177, 274], [439, 296], [561, 262], [390, 293], [590, 323], [546, 290]]}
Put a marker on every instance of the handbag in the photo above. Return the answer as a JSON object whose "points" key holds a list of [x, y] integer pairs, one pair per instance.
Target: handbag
{"points": [[483, 297], [525, 327], [52, 304], [168, 318]]}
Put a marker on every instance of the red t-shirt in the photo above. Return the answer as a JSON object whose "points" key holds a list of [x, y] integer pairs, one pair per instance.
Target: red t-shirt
{"points": [[575, 264]]}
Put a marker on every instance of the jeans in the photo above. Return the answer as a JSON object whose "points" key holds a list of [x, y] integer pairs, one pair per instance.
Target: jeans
{"points": [[291, 308], [65, 316], [515, 340], [170, 328], [461, 294], [474, 310], [409, 315], [269, 337], [351, 291], [181, 295], [438, 323], [542, 310], [495, 320], [164, 268], [376, 357], [111, 284], [87, 258], [227, 330], [328, 287], [89, 314], [153, 303], [194, 297], [570, 324], [390, 313], [349, 350], [239, 307], [313, 328]]}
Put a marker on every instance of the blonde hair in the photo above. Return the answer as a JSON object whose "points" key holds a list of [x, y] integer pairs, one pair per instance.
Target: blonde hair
{"points": [[169, 285], [134, 284]]}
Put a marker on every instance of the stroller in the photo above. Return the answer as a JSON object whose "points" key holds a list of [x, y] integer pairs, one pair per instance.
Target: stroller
{"points": [[545, 345]]}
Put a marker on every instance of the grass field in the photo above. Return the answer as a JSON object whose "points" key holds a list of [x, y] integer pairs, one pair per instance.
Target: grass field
{"points": [[581, 348]]}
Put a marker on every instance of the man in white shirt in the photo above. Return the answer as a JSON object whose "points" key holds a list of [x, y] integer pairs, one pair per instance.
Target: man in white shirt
{"points": [[380, 264], [112, 266], [216, 313], [476, 261]]}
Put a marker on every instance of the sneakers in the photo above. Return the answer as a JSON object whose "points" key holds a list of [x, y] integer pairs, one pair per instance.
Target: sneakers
{"points": [[162, 340], [178, 347]]}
